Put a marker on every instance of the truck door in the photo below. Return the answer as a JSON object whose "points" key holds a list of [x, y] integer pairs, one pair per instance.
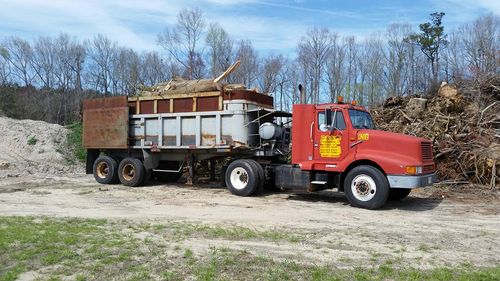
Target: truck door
{"points": [[331, 140]]}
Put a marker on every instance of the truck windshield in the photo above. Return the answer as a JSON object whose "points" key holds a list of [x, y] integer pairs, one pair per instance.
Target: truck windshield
{"points": [[361, 119]]}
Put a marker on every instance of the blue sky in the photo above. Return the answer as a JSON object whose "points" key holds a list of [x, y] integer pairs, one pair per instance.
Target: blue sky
{"points": [[272, 25]]}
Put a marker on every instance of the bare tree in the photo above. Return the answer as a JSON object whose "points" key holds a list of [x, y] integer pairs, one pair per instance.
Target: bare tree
{"points": [[335, 71], [70, 57], [125, 75], [153, 69], [396, 59], [270, 71], [101, 51], [374, 56], [20, 58], [4, 66], [481, 42], [313, 50], [182, 40], [220, 47], [352, 71], [247, 73], [43, 60]]}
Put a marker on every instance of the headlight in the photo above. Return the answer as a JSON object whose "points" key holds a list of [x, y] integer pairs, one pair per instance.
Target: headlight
{"points": [[413, 170]]}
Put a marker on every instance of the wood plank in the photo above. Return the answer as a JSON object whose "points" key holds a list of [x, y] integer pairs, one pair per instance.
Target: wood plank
{"points": [[179, 96], [221, 102]]}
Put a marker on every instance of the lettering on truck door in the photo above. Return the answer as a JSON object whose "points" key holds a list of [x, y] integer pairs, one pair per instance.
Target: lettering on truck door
{"points": [[330, 140]]}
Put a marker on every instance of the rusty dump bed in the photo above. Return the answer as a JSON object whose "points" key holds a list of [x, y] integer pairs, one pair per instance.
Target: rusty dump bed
{"points": [[194, 102], [208, 120], [105, 123]]}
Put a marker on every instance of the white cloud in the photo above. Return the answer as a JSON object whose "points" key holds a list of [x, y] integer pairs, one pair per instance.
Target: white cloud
{"points": [[87, 18], [136, 23]]}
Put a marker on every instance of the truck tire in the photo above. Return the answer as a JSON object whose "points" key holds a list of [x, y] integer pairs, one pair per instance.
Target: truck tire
{"points": [[397, 194], [223, 176], [366, 187], [105, 170], [262, 178], [242, 177], [131, 172]]}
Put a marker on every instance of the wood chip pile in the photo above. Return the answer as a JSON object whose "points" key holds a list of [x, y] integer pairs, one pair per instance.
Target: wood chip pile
{"points": [[463, 121]]}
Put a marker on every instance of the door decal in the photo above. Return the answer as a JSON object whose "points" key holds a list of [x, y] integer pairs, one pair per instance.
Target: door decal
{"points": [[329, 146]]}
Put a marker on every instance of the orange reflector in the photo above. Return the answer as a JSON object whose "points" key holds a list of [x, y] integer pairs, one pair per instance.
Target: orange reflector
{"points": [[340, 99], [411, 169], [354, 102]]}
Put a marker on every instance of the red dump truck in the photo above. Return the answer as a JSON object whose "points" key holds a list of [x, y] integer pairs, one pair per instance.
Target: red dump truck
{"points": [[335, 145]]}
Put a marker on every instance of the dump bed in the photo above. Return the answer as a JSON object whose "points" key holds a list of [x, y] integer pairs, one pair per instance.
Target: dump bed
{"points": [[208, 120]]}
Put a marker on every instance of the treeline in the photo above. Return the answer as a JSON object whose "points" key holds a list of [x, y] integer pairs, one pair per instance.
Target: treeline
{"points": [[46, 78]]}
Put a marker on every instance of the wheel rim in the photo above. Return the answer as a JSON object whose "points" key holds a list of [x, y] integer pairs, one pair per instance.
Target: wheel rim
{"points": [[128, 172], [363, 187], [239, 178], [102, 170]]}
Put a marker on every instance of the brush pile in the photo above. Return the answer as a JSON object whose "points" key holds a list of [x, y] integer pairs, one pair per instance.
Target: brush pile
{"points": [[463, 121]]}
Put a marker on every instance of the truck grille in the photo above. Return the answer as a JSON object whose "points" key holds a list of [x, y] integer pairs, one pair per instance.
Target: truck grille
{"points": [[426, 151], [428, 169]]}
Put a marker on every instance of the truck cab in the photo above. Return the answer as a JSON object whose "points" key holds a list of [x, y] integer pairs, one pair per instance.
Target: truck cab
{"points": [[339, 146]]}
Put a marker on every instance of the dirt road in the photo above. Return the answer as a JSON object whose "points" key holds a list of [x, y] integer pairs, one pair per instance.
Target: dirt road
{"points": [[422, 231]]}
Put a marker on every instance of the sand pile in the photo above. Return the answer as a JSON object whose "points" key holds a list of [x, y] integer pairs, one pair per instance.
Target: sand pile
{"points": [[35, 148], [463, 122]]}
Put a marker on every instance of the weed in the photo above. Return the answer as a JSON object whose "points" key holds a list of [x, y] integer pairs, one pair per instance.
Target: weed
{"points": [[74, 139], [32, 140]]}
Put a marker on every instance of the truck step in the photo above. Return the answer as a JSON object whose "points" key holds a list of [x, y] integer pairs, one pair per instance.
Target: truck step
{"points": [[318, 182]]}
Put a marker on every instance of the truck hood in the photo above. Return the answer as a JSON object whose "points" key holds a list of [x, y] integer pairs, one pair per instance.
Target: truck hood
{"points": [[397, 149]]}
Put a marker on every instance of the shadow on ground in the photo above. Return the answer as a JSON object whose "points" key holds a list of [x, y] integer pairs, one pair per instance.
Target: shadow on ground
{"points": [[416, 204]]}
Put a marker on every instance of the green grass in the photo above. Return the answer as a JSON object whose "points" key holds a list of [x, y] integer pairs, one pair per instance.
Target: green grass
{"points": [[88, 249], [75, 141], [32, 140]]}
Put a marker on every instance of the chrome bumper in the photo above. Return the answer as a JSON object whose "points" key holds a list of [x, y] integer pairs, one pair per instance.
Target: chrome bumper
{"points": [[411, 181]]}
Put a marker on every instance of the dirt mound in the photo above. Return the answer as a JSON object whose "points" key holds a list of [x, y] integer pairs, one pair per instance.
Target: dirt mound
{"points": [[462, 120], [36, 148]]}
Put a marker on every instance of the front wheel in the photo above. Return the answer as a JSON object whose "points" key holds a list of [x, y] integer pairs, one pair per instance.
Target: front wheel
{"points": [[366, 187]]}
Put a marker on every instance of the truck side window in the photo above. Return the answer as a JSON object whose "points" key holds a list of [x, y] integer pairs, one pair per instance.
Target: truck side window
{"points": [[338, 123]]}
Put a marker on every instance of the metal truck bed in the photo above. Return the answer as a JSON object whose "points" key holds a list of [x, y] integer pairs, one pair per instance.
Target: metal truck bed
{"points": [[137, 123]]}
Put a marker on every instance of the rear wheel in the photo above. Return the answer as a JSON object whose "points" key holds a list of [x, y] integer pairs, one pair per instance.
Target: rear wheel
{"points": [[396, 194], [242, 177], [261, 175], [105, 170], [366, 187], [131, 172]]}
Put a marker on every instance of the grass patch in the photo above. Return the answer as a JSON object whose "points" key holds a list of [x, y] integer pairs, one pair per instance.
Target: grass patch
{"points": [[181, 231], [74, 139], [87, 249], [32, 140]]}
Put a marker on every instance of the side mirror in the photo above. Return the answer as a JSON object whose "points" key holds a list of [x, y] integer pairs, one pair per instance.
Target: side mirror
{"points": [[328, 113]]}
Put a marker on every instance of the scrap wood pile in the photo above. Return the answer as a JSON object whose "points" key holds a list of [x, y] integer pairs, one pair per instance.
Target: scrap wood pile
{"points": [[180, 86], [463, 121]]}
